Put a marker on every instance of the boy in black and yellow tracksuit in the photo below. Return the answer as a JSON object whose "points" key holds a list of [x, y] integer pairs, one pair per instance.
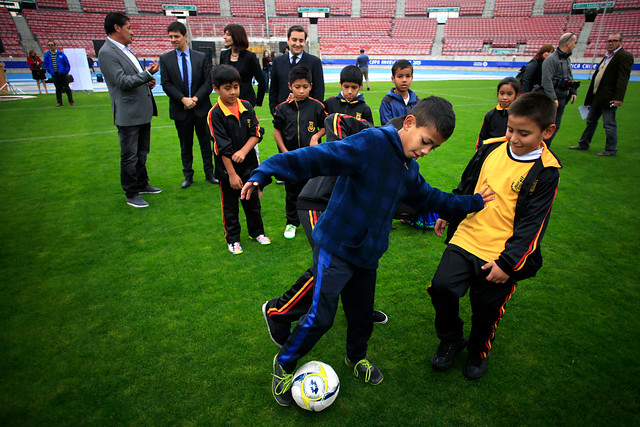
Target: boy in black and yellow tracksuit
{"points": [[490, 250], [235, 131], [350, 101], [297, 123]]}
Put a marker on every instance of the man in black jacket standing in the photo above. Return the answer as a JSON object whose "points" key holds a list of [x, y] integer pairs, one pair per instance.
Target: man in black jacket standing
{"points": [[605, 95], [279, 87], [186, 79]]}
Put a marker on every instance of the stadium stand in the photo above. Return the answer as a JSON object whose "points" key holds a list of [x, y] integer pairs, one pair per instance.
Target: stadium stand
{"points": [[101, 6], [9, 35], [467, 7], [513, 8], [252, 8], [376, 46], [213, 26], [290, 7], [411, 27], [557, 6], [52, 4], [627, 23], [378, 8], [354, 27], [155, 6]]}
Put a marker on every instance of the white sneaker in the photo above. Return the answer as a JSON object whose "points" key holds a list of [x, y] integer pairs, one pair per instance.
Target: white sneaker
{"points": [[290, 231], [235, 248], [262, 239]]}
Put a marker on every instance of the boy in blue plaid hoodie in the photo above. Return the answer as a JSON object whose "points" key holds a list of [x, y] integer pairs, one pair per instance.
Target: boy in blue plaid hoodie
{"points": [[376, 169]]}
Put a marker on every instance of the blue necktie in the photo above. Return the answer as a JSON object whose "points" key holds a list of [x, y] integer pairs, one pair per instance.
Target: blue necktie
{"points": [[185, 73]]}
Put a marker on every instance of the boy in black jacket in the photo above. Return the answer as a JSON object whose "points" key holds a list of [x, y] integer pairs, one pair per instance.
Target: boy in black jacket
{"points": [[235, 132], [298, 122], [350, 100], [488, 251]]}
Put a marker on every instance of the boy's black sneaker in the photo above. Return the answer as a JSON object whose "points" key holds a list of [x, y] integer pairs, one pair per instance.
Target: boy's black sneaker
{"points": [[379, 317], [277, 334], [444, 355], [475, 367], [368, 370], [281, 385]]}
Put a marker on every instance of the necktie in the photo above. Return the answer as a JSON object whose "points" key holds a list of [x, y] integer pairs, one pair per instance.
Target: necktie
{"points": [[185, 73], [294, 61]]}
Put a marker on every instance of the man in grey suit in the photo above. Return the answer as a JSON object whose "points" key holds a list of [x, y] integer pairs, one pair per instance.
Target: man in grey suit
{"points": [[132, 104], [185, 76]]}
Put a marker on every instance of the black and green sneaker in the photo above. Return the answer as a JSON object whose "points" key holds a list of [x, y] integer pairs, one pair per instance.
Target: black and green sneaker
{"points": [[281, 385], [369, 371]]}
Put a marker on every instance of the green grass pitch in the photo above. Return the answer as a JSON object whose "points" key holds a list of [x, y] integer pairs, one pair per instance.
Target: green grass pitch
{"points": [[118, 316]]}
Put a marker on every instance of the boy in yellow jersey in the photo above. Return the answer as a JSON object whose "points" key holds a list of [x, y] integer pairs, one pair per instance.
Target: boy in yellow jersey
{"points": [[489, 250]]}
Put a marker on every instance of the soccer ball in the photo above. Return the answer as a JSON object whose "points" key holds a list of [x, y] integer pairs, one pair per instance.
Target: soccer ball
{"points": [[315, 386]]}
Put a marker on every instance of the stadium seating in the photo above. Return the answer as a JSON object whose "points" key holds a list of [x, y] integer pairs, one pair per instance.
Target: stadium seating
{"points": [[467, 7], [52, 4], [557, 6], [9, 35], [412, 27], [513, 8], [290, 7], [627, 23], [101, 6], [213, 26], [155, 6], [378, 8], [252, 8]]}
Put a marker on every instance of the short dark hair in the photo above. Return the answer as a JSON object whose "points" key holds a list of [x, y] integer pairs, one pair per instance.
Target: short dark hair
{"points": [[509, 81], [437, 112], [400, 65], [536, 106], [361, 50], [112, 19], [238, 35], [351, 73], [177, 26], [296, 28], [300, 72], [223, 74]]}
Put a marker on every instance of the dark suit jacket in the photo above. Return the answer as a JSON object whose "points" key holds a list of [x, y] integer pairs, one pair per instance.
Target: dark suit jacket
{"points": [[614, 80], [171, 81], [249, 68], [131, 99], [279, 88]]}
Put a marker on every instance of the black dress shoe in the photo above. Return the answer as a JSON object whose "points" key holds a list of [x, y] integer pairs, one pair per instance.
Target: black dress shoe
{"points": [[578, 147], [212, 180], [475, 367], [187, 182], [443, 357]]}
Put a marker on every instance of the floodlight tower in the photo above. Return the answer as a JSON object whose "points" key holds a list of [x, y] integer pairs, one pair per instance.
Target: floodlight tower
{"points": [[313, 13]]}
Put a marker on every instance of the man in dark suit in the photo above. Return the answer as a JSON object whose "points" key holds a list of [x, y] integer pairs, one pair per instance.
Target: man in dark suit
{"points": [[605, 95], [132, 104], [279, 88], [185, 75]]}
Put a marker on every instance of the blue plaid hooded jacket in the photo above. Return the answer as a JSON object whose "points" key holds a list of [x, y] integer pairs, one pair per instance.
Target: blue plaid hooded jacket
{"points": [[374, 175]]}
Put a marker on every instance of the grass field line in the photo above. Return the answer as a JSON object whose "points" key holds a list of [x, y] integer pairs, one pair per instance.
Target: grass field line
{"points": [[74, 135]]}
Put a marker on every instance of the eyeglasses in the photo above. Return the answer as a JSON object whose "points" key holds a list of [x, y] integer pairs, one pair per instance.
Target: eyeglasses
{"points": [[613, 41], [51, 44]]}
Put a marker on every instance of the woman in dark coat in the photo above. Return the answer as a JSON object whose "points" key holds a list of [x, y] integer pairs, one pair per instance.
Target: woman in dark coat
{"points": [[532, 76], [245, 61]]}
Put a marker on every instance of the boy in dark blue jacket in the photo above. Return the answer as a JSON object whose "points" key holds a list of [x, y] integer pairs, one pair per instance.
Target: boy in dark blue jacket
{"points": [[400, 99], [376, 169], [350, 100], [297, 122]]}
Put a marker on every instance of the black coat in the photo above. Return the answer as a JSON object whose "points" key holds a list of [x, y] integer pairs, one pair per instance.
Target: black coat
{"points": [[279, 88], [249, 68]]}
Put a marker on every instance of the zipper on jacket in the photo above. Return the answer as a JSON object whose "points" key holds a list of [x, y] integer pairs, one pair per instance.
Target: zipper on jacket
{"points": [[298, 122]]}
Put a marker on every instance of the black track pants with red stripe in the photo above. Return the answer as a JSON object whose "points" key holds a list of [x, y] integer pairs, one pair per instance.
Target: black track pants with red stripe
{"points": [[458, 272]]}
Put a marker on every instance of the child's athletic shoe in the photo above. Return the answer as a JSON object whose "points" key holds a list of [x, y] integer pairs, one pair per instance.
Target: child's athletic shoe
{"points": [[475, 367], [262, 239], [281, 385], [278, 334], [379, 317], [290, 231], [443, 357], [369, 371], [235, 248]]}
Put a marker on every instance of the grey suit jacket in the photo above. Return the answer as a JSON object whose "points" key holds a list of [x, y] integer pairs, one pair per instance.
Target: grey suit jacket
{"points": [[171, 81], [131, 99]]}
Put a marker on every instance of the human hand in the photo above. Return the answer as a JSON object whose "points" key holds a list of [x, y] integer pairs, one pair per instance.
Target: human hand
{"points": [[615, 103], [496, 275], [313, 142], [486, 195], [440, 226], [556, 101], [238, 156], [235, 182], [188, 103], [153, 67], [152, 83], [289, 98], [573, 98], [247, 190]]}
